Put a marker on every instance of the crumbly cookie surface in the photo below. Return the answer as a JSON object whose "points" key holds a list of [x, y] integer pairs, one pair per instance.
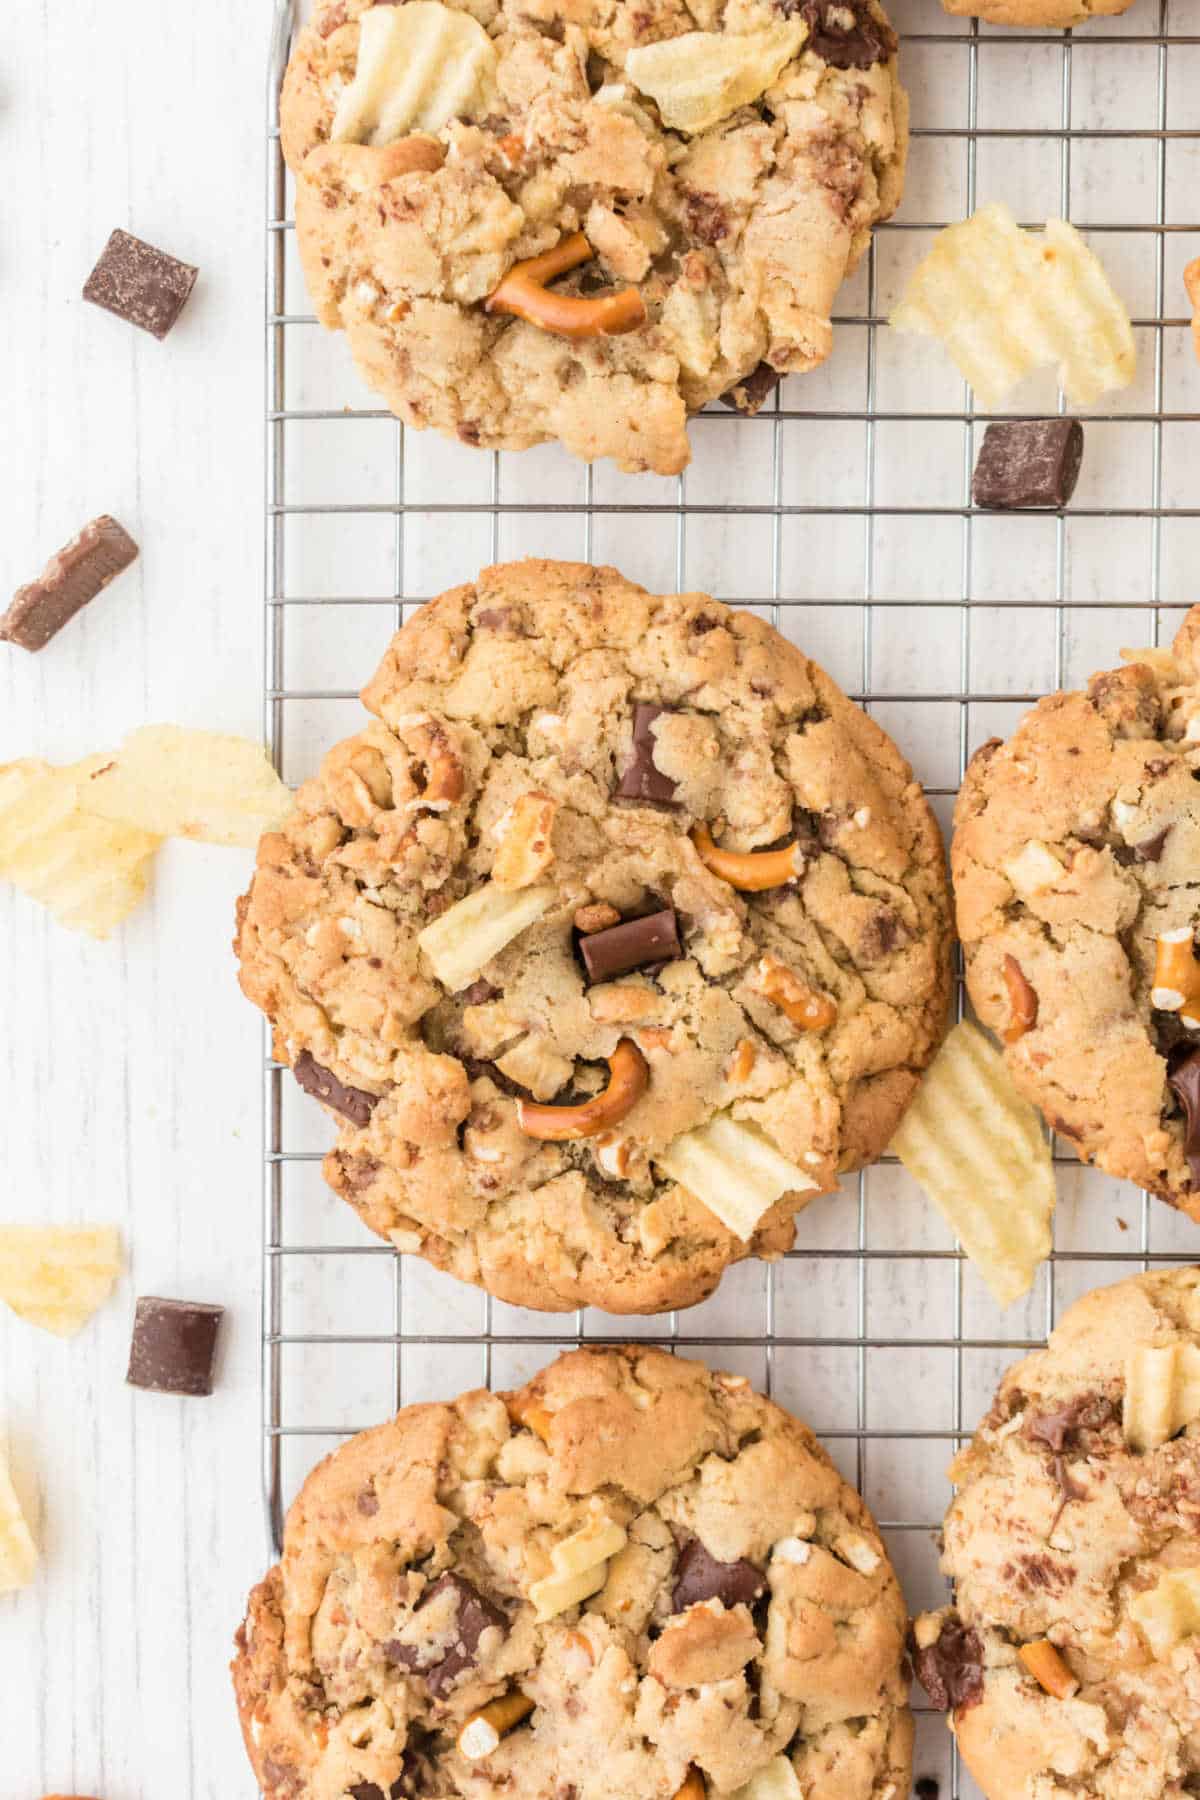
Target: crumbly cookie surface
{"points": [[736, 238], [745, 1611], [1074, 853], [1061, 1533], [1055, 14], [519, 695]]}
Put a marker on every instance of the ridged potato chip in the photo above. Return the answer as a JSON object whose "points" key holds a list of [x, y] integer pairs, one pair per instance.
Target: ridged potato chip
{"points": [[56, 1276], [978, 1151], [700, 78], [189, 784], [1162, 1392], [1006, 301], [89, 871], [736, 1171], [469, 933], [18, 1552], [1169, 1611], [419, 66]]}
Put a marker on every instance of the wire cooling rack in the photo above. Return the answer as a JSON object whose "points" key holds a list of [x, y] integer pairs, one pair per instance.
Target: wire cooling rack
{"points": [[843, 514]]}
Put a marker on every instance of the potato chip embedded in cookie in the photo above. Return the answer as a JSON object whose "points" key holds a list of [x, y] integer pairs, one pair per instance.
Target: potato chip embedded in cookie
{"points": [[1006, 301], [977, 1149], [57, 1276], [777, 1781], [700, 78], [735, 1170], [419, 66]]}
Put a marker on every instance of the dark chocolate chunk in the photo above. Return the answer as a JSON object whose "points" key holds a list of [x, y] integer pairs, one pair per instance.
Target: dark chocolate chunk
{"points": [[140, 284], [174, 1346], [1028, 462], [1184, 1082], [753, 391], [699, 1576], [410, 1782], [478, 994], [73, 576], [637, 944], [951, 1671], [353, 1103], [857, 45], [475, 1615], [1061, 1428], [1150, 849], [641, 780]]}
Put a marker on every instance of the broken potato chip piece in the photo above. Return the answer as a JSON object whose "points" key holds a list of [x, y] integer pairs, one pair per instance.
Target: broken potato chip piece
{"points": [[777, 1780], [176, 782], [1162, 1392], [1006, 301], [419, 66], [735, 1170], [1169, 1611], [476, 928], [57, 1276], [89, 872], [977, 1149], [580, 1567], [698, 79], [18, 1552]]}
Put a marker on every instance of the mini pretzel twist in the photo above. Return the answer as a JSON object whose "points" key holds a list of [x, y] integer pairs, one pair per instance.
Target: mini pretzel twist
{"points": [[1048, 1669], [524, 294], [750, 870], [804, 1006], [483, 1730], [629, 1078], [1022, 1001], [530, 1413], [1177, 976]]}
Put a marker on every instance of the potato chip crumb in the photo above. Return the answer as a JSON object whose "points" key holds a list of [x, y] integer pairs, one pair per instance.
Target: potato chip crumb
{"points": [[57, 1276], [18, 1552]]}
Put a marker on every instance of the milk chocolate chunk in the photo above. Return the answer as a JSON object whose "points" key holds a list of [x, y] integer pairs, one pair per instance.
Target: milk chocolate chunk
{"points": [[474, 1616], [174, 1346], [951, 1671], [642, 780], [637, 944], [73, 576], [844, 33], [751, 393], [140, 284], [1028, 462], [353, 1103], [699, 1576], [1184, 1082]]}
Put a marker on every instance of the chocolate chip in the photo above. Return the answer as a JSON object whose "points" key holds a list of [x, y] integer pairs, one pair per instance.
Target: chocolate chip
{"points": [[353, 1103], [860, 45], [1184, 1083], [951, 1671], [140, 284], [73, 576], [751, 393], [174, 1346], [642, 780], [367, 1503], [1150, 849], [475, 1615], [1028, 462], [478, 994], [636, 944], [699, 1576]]}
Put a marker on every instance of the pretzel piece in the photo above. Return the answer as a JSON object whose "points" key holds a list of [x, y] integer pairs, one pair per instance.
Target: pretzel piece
{"points": [[752, 871], [629, 1078], [523, 294]]}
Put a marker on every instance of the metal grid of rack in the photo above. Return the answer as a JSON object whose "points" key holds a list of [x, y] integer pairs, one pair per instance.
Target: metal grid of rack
{"points": [[853, 531]]}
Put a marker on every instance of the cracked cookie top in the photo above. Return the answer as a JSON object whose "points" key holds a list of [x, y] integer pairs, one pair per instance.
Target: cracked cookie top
{"points": [[1075, 854], [632, 1577], [721, 202], [620, 934], [1071, 1661]]}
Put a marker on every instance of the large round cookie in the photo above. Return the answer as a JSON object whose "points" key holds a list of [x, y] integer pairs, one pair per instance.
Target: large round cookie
{"points": [[728, 241], [442, 930], [1071, 1663], [659, 1572], [1075, 852]]}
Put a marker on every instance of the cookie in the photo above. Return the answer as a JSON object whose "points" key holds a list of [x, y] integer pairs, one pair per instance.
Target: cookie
{"points": [[1069, 1660], [1056, 14], [632, 1577], [723, 189], [616, 937], [1073, 857]]}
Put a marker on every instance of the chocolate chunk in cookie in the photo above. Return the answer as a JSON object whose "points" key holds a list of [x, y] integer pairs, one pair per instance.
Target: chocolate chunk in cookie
{"points": [[643, 780], [951, 1668], [847, 34], [699, 1576], [641, 943], [353, 1103], [471, 1617]]}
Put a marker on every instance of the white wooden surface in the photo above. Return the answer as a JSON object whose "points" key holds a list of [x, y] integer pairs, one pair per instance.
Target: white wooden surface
{"points": [[129, 1074]]}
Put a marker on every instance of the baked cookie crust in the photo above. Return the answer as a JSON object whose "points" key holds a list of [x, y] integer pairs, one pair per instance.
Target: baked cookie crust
{"points": [[1062, 1534], [519, 695], [736, 238], [1053, 14], [1074, 852], [746, 1611]]}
